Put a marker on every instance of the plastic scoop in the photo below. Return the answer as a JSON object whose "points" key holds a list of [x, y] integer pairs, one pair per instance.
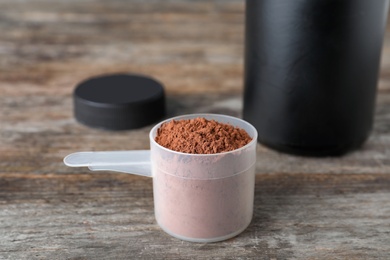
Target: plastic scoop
{"points": [[197, 197]]}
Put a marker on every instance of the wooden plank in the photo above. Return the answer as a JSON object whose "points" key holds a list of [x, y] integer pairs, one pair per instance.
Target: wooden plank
{"points": [[110, 216]]}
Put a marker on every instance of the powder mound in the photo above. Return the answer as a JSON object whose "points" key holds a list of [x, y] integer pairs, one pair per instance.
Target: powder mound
{"points": [[201, 136]]}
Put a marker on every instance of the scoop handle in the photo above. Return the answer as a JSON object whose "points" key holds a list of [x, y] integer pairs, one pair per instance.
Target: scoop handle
{"points": [[133, 162]]}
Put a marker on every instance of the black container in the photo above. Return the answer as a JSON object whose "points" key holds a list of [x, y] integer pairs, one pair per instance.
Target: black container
{"points": [[311, 70]]}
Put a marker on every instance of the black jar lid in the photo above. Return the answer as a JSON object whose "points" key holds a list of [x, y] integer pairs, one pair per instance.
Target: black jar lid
{"points": [[119, 102]]}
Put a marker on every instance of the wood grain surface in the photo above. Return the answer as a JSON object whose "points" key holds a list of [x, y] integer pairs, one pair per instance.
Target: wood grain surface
{"points": [[305, 208]]}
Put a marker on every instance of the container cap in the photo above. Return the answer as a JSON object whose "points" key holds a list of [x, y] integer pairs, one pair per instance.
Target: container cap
{"points": [[119, 102]]}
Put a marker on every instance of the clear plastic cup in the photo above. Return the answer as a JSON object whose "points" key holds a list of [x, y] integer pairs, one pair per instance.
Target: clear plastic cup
{"points": [[197, 197], [204, 197]]}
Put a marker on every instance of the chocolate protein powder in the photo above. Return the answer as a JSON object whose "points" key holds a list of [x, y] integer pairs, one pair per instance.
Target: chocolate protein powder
{"points": [[203, 194], [201, 136]]}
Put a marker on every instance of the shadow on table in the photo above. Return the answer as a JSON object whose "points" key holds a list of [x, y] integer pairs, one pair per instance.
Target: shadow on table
{"points": [[228, 104]]}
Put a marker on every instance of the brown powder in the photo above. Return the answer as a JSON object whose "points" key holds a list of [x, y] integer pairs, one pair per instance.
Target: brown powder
{"points": [[201, 136]]}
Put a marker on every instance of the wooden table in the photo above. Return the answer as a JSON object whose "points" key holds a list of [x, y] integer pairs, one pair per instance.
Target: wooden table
{"points": [[305, 208]]}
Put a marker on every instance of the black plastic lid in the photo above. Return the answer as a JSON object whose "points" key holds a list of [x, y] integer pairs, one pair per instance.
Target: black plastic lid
{"points": [[119, 102]]}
